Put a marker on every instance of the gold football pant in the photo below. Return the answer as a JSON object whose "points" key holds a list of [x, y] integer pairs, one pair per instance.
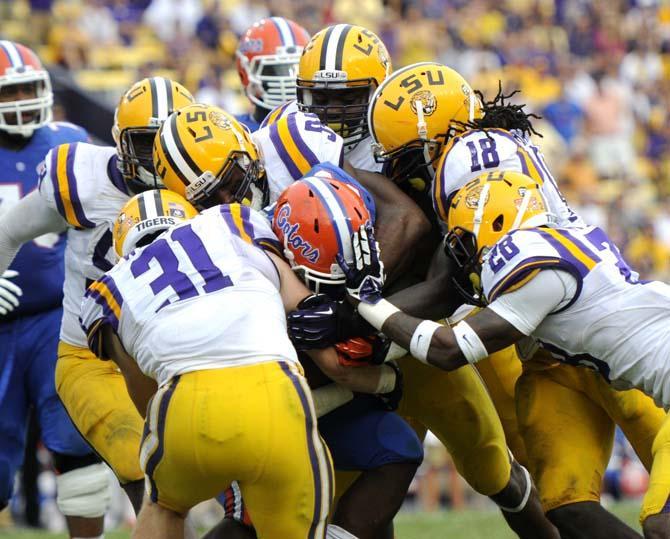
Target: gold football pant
{"points": [[567, 417], [254, 424], [500, 371], [657, 498], [456, 407], [95, 396]]}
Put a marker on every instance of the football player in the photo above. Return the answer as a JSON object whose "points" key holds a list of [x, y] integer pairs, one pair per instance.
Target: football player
{"points": [[565, 289], [339, 71], [267, 57], [30, 303], [465, 135], [82, 188], [228, 172], [279, 460], [310, 223]]}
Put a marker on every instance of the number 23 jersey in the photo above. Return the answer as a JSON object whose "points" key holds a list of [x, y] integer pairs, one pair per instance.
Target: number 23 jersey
{"points": [[82, 183], [478, 151], [204, 295]]}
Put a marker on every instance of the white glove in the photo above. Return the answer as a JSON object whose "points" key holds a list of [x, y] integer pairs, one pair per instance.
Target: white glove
{"points": [[9, 292]]}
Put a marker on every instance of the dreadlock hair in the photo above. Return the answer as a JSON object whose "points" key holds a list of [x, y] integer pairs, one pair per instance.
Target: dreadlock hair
{"points": [[503, 115]]}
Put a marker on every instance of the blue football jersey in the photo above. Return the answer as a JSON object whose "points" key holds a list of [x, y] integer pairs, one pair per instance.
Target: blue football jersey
{"points": [[39, 262], [248, 120]]}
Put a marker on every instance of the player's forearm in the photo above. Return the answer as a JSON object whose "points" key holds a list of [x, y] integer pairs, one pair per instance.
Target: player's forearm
{"points": [[436, 345], [25, 221], [365, 379]]}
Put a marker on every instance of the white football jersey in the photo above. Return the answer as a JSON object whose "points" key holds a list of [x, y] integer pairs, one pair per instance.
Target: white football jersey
{"points": [[201, 296], [360, 156], [613, 323], [83, 184], [478, 151], [292, 145]]}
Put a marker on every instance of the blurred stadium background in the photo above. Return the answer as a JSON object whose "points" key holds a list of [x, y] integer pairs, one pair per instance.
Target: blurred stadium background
{"points": [[598, 72]]}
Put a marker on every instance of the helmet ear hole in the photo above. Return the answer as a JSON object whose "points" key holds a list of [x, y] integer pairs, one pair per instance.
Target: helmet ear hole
{"points": [[498, 223]]}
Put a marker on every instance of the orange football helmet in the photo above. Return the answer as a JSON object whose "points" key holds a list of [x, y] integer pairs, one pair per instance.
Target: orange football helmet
{"points": [[267, 60], [314, 220], [20, 67]]}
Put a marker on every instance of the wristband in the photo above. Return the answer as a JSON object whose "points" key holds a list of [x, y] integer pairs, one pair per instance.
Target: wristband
{"points": [[469, 342], [421, 338], [387, 379], [378, 313], [328, 398]]}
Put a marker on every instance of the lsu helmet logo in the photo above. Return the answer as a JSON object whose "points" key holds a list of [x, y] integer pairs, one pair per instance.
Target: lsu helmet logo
{"points": [[219, 120], [428, 102], [292, 235], [472, 197]]}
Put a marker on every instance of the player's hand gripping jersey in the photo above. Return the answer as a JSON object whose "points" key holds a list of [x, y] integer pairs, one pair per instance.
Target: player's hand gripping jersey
{"points": [[292, 145], [601, 316], [215, 257], [477, 151]]}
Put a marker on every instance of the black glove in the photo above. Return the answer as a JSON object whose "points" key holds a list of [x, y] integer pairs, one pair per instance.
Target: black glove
{"points": [[314, 323], [391, 400], [319, 322]]}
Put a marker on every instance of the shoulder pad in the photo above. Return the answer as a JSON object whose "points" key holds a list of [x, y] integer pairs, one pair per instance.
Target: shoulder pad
{"points": [[249, 225], [71, 179]]}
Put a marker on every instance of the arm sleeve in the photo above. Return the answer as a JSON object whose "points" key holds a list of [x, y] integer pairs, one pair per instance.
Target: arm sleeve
{"points": [[25, 221], [526, 307]]}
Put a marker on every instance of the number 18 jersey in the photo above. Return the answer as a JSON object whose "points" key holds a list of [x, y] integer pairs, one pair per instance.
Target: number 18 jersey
{"points": [[204, 295], [478, 151]]}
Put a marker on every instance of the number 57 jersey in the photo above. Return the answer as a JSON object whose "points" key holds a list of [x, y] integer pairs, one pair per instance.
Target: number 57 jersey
{"points": [[477, 151], [204, 295]]}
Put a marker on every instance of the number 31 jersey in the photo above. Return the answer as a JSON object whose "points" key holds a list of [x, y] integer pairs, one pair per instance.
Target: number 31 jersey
{"points": [[478, 151], [204, 295], [83, 184], [612, 323]]}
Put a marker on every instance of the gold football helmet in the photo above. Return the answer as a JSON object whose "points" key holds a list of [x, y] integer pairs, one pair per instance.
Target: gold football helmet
{"points": [[482, 212], [200, 150], [146, 215], [141, 111], [339, 70], [415, 111]]}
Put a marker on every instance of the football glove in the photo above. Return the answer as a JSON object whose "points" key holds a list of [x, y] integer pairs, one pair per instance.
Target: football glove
{"points": [[319, 322], [9, 292], [314, 323], [363, 351], [365, 279]]}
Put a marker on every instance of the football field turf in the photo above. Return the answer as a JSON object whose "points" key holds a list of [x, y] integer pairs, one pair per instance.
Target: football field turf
{"points": [[445, 525]]}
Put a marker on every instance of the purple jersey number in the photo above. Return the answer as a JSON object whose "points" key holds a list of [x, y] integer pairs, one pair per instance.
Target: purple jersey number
{"points": [[315, 126], [502, 252], [601, 242], [183, 287]]}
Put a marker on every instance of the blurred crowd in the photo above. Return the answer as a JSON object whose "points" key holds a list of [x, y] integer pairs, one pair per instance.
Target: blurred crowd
{"points": [[597, 71]]}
